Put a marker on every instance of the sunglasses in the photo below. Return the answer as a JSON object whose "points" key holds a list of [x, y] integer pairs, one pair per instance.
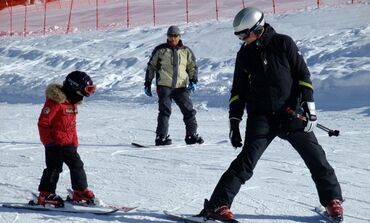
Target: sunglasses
{"points": [[173, 35]]}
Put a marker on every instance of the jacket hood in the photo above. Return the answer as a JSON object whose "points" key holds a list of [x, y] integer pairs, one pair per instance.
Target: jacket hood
{"points": [[55, 93]]}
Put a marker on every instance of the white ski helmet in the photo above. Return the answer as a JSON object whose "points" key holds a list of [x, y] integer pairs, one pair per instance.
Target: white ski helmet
{"points": [[248, 20]]}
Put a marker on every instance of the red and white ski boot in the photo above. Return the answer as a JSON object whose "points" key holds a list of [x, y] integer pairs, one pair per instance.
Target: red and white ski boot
{"points": [[48, 198], [82, 196]]}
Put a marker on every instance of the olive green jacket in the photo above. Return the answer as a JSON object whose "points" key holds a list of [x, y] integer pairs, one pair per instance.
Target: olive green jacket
{"points": [[173, 67]]}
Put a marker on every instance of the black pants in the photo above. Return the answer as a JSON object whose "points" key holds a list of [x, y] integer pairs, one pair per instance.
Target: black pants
{"points": [[182, 99], [55, 156], [261, 130]]}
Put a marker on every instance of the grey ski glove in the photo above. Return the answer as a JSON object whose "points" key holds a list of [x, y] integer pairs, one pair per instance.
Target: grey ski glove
{"points": [[310, 113]]}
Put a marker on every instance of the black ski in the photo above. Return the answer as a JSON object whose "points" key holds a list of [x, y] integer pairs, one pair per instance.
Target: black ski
{"points": [[141, 145], [194, 218]]}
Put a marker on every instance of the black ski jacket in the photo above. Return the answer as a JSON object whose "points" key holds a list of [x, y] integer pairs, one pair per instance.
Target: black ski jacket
{"points": [[270, 75]]}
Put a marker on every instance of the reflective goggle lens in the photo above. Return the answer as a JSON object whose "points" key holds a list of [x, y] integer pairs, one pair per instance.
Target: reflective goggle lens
{"points": [[244, 34], [90, 89]]}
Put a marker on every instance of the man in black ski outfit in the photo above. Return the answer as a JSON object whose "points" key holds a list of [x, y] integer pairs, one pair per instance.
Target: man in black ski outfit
{"points": [[272, 81]]}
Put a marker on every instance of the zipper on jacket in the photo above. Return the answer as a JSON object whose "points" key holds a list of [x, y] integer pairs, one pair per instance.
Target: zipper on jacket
{"points": [[175, 62]]}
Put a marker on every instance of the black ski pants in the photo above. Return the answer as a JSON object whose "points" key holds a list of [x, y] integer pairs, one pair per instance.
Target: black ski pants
{"points": [[260, 132], [55, 156], [181, 97]]}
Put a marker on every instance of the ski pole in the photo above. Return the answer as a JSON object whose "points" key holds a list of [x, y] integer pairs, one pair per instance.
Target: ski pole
{"points": [[330, 132]]}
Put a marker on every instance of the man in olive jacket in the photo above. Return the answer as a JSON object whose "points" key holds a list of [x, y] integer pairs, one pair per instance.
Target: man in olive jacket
{"points": [[174, 67]]}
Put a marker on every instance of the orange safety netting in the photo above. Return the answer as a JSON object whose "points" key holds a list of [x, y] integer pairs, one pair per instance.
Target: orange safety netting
{"points": [[30, 17]]}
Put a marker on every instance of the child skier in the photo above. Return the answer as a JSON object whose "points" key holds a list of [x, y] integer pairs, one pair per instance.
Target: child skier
{"points": [[57, 129]]}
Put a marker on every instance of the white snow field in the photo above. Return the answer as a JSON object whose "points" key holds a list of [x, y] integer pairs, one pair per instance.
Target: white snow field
{"points": [[335, 42]]}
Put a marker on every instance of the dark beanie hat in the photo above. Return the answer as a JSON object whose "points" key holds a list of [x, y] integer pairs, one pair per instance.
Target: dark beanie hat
{"points": [[173, 30]]}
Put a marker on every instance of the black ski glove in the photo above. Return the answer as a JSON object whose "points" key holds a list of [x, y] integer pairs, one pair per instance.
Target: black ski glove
{"points": [[148, 89], [234, 135]]}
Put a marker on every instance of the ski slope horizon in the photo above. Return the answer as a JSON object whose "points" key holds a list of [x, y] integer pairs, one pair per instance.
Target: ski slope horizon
{"points": [[336, 45]]}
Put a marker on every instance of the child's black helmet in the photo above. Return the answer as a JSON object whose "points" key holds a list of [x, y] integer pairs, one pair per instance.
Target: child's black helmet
{"points": [[80, 82]]}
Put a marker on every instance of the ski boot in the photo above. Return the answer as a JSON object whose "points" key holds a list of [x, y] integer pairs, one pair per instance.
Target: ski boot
{"points": [[222, 213], [162, 140], [335, 210], [82, 196], [48, 198], [193, 138]]}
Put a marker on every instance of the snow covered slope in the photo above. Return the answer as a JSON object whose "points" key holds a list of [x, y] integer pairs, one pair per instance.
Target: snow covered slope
{"points": [[336, 45]]}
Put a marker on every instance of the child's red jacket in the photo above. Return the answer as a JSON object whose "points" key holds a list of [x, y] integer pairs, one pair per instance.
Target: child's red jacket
{"points": [[57, 121]]}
